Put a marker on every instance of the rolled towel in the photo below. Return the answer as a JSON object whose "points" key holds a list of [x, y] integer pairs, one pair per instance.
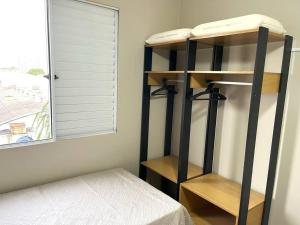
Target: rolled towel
{"points": [[237, 24], [170, 36]]}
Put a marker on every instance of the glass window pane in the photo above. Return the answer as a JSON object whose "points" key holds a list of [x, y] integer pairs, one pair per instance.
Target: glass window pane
{"points": [[25, 112]]}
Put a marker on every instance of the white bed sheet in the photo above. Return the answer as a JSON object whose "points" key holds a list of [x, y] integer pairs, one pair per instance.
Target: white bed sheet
{"points": [[114, 197], [237, 24]]}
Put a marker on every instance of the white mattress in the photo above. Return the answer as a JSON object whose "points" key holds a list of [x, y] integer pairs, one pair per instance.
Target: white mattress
{"points": [[170, 36], [106, 198], [238, 24]]}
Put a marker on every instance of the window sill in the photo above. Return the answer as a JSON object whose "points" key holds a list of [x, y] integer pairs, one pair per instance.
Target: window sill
{"points": [[22, 145]]}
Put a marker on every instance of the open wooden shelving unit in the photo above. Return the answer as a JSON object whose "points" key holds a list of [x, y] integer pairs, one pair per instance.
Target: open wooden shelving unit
{"points": [[210, 198], [167, 167], [214, 200]]}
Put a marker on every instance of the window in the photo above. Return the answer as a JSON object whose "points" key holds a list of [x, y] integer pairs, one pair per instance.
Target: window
{"points": [[85, 62], [83, 58], [25, 106]]}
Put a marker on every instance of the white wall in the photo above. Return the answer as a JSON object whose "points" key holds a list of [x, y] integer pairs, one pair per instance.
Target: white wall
{"points": [[27, 166], [233, 114]]}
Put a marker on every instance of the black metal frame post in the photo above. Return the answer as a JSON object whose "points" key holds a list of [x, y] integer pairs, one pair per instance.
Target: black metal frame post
{"points": [[165, 183], [190, 61], [170, 106], [261, 51], [210, 131], [277, 128], [212, 113], [145, 113], [217, 58]]}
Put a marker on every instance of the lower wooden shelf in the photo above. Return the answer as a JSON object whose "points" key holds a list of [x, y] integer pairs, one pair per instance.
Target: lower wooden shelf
{"points": [[214, 200], [212, 215], [167, 167]]}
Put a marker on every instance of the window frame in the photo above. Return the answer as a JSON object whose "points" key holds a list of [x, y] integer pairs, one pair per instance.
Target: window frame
{"points": [[117, 23], [51, 96], [49, 37]]}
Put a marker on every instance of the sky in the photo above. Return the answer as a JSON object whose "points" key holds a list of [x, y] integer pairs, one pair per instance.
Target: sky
{"points": [[23, 34]]}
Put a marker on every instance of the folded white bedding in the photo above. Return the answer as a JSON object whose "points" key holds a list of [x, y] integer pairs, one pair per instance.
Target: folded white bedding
{"points": [[238, 24], [113, 197], [168, 36]]}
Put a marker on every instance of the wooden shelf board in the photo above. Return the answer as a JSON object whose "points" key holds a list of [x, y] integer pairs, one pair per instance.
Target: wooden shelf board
{"points": [[167, 167], [226, 39], [199, 78], [270, 80], [231, 73], [221, 192], [179, 45], [212, 215], [155, 77], [168, 44], [208, 72], [236, 38], [242, 73], [164, 72]]}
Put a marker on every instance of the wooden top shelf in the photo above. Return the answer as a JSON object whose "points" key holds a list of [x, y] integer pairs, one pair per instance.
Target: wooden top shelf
{"points": [[167, 167], [225, 39], [236, 38], [221, 192], [165, 72], [169, 45]]}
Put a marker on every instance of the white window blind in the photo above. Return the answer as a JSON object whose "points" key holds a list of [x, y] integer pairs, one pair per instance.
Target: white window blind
{"points": [[85, 61]]}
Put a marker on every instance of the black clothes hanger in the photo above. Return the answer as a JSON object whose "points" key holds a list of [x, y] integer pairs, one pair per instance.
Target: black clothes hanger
{"points": [[164, 90], [210, 90]]}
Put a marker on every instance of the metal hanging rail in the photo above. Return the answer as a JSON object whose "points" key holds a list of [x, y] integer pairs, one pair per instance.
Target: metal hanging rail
{"points": [[231, 83]]}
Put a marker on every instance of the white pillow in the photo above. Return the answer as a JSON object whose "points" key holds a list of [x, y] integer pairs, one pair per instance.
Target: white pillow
{"points": [[238, 24], [168, 36]]}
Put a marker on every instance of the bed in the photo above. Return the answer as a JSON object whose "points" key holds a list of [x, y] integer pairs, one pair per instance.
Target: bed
{"points": [[113, 197]]}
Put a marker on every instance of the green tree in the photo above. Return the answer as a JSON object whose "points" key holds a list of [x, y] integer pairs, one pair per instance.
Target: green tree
{"points": [[41, 124], [36, 71]]}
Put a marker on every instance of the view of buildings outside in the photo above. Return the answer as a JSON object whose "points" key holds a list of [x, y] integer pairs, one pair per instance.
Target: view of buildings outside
{"points": [[25, 113]]}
